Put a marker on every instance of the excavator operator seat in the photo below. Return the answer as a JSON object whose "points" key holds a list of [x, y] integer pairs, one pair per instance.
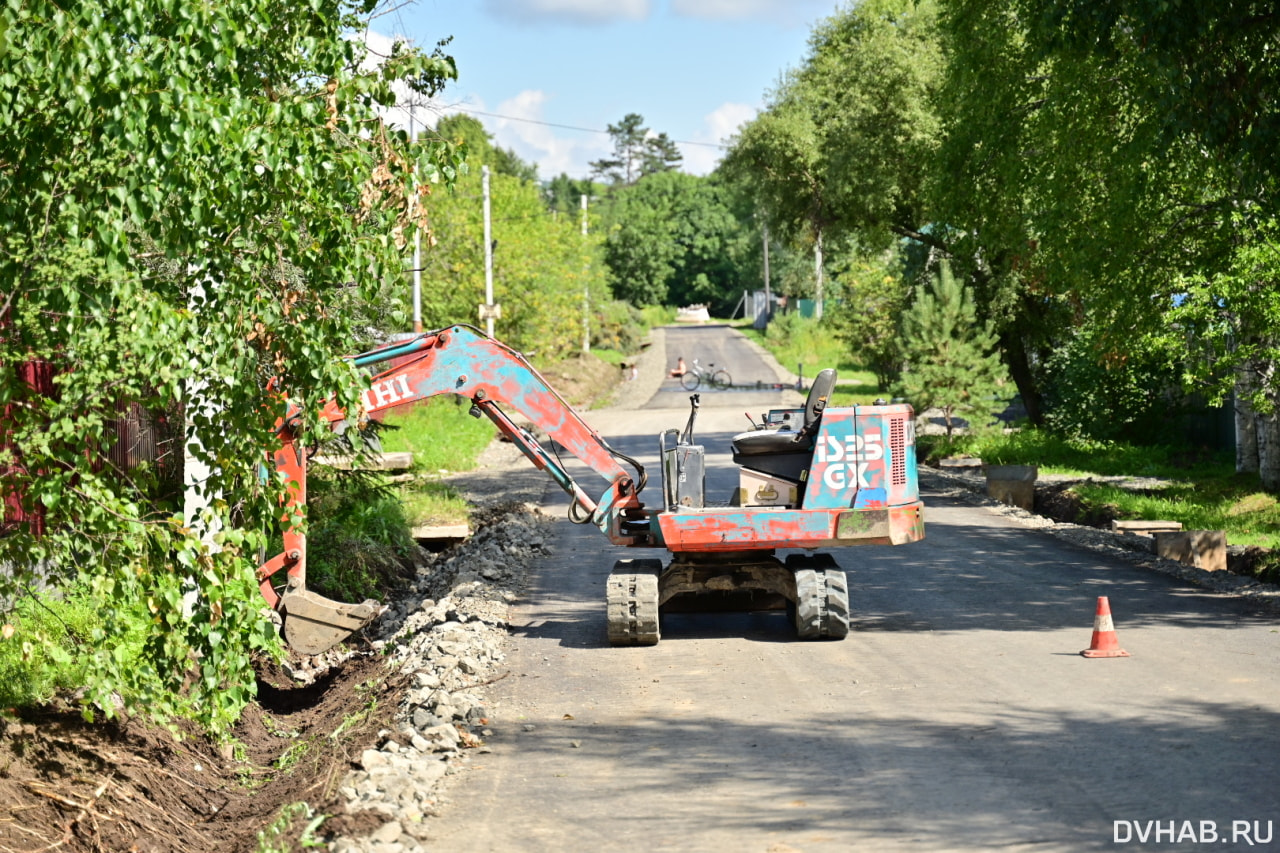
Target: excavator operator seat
{"points": [[787, 453]]}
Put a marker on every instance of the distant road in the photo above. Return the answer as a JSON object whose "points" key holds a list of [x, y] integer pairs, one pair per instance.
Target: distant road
{"points": [[720, 346]]}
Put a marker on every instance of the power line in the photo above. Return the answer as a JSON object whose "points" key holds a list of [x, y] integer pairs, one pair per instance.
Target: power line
{"points": [[572, 127]]}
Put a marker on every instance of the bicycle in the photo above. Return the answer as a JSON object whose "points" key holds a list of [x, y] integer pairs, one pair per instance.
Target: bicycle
{"points": [[696, 375]]}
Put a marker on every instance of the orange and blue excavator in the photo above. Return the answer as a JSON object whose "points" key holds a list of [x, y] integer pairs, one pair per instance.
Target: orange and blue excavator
{"points": [[810, 478]]}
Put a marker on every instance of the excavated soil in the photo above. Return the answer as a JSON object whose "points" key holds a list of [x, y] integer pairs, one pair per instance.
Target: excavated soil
{"points": [[128, 785]]}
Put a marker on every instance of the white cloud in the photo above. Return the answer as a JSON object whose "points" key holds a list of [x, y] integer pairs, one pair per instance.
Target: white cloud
{"points": [[569, 11], [718, 125], [553, 150], [790, 13]]}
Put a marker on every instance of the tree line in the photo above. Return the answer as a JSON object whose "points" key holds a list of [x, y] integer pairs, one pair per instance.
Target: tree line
{"points": [[1101, 176]]}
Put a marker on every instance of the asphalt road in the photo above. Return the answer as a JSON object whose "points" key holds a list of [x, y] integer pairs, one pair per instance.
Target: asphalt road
{"points": [[957, 715]]}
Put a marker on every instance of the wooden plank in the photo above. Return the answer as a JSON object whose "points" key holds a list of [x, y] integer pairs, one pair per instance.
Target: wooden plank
{"points": [[441, 532], [399, 461], [1145, 527]]}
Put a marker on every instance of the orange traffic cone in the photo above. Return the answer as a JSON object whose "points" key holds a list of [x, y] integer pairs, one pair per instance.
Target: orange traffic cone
{"points": [[1105, 642]]}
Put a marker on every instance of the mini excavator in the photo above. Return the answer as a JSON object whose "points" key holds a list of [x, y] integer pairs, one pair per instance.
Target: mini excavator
{"points": [[816, 477]]}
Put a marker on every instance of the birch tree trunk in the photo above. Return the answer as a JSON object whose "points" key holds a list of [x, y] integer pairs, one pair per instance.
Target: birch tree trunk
{"points": [[1268, 427]]}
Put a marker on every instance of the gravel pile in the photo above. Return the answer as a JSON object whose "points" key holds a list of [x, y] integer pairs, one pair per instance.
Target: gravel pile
{"points": [[447, 638]]}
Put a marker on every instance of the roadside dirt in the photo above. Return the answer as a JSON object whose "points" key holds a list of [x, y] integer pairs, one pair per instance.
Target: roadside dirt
{"points": [[128, 785]]}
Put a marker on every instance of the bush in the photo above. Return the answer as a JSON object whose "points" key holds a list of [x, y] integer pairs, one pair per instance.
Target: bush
{"points": [[1132, 399], [618, 326], [358, 538]]}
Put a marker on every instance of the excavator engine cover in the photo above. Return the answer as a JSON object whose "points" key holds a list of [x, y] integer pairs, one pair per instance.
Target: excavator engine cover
{"points": [[314, 624]]}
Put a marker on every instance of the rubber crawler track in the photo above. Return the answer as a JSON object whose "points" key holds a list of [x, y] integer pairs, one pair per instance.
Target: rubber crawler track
{"points": [[631, 598], [822, 604]]}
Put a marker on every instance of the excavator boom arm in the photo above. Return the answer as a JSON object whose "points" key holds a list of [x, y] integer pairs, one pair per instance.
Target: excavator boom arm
{"points": [[462, 361], [459, 360]]}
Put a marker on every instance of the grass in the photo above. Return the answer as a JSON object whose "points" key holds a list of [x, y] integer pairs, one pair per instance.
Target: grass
{"points": [[807, 346], [804, 344], [360, 525], [443, 438], [440, 433], [611, 356], [30, 671], [1201, 490], [358, 537], [433, 503]]}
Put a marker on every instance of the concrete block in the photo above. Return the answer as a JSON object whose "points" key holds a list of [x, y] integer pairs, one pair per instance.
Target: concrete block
{"points": [[1014, 485], [1204, 549], [960, 462], [441, 533]]}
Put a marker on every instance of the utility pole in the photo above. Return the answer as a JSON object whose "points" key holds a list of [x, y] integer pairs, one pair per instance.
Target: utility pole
{"points": [[417, 240], [488, 255], [817, 268], [768, 297], [586, 285]]}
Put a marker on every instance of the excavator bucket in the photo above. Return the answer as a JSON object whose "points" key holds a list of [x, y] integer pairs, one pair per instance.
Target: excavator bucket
{"points": [[314, 624]]}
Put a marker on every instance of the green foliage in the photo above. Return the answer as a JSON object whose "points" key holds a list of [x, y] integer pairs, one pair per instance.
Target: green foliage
{"points": [[952, 362], [1231, 322], [541, 265], [839, 147], [1102, 393], [618, 326], [467, 132], [1083, 203], [563, 194], [358, 537], [657, 315], [868, 316], [673, 239], [1102, 175], [799, 342], [284, 831], [639, 253], [186, 196], [41, 638]]}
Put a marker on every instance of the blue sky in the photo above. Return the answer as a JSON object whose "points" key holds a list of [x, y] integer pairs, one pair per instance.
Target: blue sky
{"points": [[695, 69]]}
